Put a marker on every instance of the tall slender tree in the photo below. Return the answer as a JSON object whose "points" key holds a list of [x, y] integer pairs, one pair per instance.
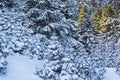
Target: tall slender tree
{"points": [[82, 13], [96, 18]]}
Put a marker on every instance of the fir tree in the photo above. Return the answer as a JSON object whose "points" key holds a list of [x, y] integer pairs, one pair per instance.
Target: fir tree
{"points": [[82, 13], [119, 15], [49, 16], [107, 11], [6, 3], [58, 63], [96, 18], [85, 59], [3, 63]]}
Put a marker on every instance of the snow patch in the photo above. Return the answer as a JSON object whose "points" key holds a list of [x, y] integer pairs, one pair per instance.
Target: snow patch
{"points": [[21, 68], [111, 74]]}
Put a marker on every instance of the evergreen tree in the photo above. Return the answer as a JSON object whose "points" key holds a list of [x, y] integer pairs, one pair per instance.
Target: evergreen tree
{"points": [[50, 16], [86, 55], [96, 18], [3, 64], [3, 54], [82, 13], [53, 65], [119, 15], [58, 63], [6, 3], [107, 11]]}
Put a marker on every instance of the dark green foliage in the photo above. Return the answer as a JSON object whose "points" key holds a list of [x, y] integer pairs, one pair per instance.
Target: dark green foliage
{"points": [[31, 3], [6, 3]]}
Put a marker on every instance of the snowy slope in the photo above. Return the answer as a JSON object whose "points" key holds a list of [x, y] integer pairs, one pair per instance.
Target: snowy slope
{"points": [[21, 68], [111, 74]]}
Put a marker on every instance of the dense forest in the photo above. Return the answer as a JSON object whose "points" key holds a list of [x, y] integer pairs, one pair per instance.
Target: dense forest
{"points": [[74, 39]]}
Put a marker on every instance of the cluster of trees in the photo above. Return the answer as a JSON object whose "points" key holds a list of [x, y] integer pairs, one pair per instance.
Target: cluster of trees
{"points": [[106, 21], [48, 17], [101, 17], [73, 50]]}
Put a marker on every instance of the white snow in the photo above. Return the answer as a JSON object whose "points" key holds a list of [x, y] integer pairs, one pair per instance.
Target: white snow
{"points": [[21, 68], [111, 74]]}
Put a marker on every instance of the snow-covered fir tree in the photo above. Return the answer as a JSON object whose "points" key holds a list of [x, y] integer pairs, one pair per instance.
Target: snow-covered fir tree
{"points": [[3, 63], [3, 54], [59, 64], [6, 3], [44, 14], [89, 55]]}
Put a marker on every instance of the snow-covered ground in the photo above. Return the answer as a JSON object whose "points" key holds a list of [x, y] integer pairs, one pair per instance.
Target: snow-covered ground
{"points": [[21, 68], [111, 74]]}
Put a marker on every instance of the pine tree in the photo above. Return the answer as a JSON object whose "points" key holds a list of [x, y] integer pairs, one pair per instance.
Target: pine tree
{"points": [[3, 63], [53, 64], [50, 16], [85, 59], [58, 63], [107, 12], [6, 3], [82, 13], [119, 15], [96, 18]]}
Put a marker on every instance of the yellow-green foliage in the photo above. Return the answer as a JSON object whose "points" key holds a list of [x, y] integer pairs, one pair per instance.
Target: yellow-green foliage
{"points": [[119, 15], [106, 12], [96, 18], [82, 13]]}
